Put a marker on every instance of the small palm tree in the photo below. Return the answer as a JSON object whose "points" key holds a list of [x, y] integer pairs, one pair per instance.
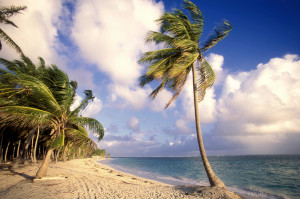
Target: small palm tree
{"points": [[30, 100], [182, 54], [5, 14]]}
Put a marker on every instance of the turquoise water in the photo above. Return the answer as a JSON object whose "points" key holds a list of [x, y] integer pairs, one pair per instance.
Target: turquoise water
{"points": [[276, 176]]}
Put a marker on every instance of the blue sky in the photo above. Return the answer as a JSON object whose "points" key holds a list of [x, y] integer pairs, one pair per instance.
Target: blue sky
{"points": [[253, 108]]}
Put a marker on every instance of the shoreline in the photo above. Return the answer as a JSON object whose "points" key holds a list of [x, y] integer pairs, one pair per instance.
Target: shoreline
{"points": [[87, 178]]}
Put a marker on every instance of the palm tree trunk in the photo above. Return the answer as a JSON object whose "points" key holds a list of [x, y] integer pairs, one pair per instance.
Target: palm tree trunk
{"points": [[26, 146], [42, 172], [57, 155], [13, 154], [18, 150], [31, 149], [35, 146], [5, 156], [212, 177], [65, 154], [1, 151]]}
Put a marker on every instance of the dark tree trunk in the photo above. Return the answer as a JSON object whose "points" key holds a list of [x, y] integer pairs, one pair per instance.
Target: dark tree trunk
{"points": [[13, 154], [1, 149], [26, 146], [18, 150], [42, 172], [31, 149], [5, 156]]}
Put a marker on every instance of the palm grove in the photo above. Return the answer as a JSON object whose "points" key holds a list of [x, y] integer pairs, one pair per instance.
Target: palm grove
{"points": [[36, 119]]}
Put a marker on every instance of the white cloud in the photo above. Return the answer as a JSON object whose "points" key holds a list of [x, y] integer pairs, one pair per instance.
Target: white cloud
{"points": [[37, 33], [93, 108], [182, 125], [76, 102], [134, 124], [83, 76], [123, 96], [111, 34], [160, 101], [265, 100]]}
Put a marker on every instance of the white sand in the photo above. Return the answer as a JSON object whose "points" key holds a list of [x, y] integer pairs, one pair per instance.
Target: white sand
{"points": [[85, 178]]}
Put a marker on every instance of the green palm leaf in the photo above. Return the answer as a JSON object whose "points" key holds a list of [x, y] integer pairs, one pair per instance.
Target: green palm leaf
{"points": [[206, 78], [91, 123], [220, 32], [24, 117], [10, 42]]}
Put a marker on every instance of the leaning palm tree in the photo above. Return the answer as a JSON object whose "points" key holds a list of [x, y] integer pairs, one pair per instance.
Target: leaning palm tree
{"points": [[5, 14], [44, 101], [182, 54]]}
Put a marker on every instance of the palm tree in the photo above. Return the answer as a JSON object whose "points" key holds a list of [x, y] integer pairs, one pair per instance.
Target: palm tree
{"points": [[5, 14], [33, 100], [182, 54]]}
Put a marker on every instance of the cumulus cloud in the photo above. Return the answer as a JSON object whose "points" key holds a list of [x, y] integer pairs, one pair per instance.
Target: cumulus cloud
{"points": [[160, 101], [260, 108], [134, 124], [93, 108], [37, 32], [182, 126], [111, 35], [265, 100]]}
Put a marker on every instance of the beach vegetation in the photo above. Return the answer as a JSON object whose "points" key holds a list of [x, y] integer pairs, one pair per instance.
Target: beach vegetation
{"points": [[182, 54], [35, 109], [100, 152]]}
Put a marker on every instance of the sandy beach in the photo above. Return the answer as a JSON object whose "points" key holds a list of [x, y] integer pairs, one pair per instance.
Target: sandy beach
{"points": [[86, 178]]}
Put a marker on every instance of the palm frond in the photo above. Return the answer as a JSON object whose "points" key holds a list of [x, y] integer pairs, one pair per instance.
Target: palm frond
{"points": [[7, 12], [159, 38], [88, 97], [205, 79], [197, 19], [177, 87], [58, 142], [10, 42], [174, 25], [24, 117], [59, 84], [220, 32], [91, 123], [151, 56], [182, 64]]}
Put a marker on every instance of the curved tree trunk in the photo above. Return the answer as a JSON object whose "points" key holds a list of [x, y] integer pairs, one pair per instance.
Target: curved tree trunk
{"points": [[212, 177], [35, 146], [42, 172]]}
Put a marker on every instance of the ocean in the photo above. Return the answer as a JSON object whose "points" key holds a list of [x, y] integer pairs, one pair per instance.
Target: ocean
{"points": [[263, 176]]}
